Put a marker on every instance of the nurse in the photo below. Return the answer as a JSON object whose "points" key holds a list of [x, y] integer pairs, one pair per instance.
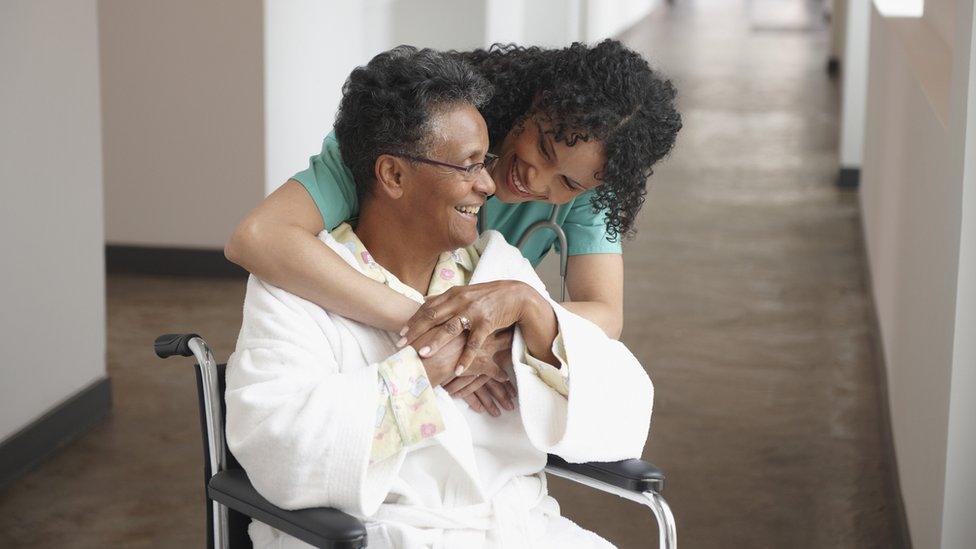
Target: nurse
{"points": [[580, 126]]}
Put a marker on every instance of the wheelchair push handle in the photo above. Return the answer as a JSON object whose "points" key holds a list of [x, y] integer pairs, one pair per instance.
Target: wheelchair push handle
{"points": [[168, 345]]}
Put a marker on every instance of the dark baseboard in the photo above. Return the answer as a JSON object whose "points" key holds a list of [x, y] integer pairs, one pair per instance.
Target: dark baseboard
{"points": [[897, 513], [833, 67], [23, 450], [849, 178], [169, 261]]}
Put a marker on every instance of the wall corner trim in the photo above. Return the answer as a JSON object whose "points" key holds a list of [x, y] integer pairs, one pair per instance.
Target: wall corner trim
{"points": [[25, 449], [168, 261]]}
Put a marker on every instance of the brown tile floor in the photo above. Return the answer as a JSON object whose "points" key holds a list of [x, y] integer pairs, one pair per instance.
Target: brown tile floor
{"points": [[745, 301]]}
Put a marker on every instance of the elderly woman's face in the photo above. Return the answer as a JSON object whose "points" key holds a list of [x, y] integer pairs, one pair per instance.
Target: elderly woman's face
{"points": [[534, 166], [445, 199]]}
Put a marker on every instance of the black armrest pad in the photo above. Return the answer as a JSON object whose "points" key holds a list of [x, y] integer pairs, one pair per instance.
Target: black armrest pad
{"points": [[630, 474], [321, 527]]}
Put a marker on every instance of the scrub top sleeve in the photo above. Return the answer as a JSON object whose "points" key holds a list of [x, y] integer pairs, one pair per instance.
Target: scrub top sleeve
{"points": [[330, 184], [586, 230]]}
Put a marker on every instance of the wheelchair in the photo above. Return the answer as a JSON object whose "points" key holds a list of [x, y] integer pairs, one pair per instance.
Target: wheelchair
{"points": [[232, 501]]}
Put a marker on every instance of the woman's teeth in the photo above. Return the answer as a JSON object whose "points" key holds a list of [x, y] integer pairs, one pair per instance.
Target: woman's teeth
{"points": [[517, 182], [471, 210]]}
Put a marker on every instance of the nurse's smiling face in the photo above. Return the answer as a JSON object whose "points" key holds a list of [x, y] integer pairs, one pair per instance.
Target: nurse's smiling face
{"points": [[535, 166]]}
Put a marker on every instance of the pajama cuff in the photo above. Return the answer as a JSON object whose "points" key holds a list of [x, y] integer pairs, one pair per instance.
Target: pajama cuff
{"points": [[408, 410], [557, 378]]}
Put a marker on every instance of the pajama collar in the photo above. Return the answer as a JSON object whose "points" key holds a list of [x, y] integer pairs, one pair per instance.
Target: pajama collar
{"points": [[453, 268]]}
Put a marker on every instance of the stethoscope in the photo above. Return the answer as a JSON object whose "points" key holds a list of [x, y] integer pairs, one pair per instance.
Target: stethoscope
{"points": [[539, 225]]}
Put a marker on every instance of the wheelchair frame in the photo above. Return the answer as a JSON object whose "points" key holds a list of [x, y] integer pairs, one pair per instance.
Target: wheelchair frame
{"points": [[232, 499]]}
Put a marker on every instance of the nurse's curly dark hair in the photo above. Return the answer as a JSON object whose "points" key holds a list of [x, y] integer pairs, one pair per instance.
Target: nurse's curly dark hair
{"points": [[388, 104], [604, 92]]}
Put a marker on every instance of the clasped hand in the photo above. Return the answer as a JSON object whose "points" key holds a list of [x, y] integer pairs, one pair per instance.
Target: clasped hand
{"points": [[484, 385], [470, 365]]}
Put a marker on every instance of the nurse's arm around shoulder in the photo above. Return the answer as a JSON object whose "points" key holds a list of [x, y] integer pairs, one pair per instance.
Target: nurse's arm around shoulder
{"points": [[278, 243], [595, 283]]}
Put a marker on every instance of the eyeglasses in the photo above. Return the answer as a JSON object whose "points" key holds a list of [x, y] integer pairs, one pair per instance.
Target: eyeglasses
{"points": [[469, 172]]}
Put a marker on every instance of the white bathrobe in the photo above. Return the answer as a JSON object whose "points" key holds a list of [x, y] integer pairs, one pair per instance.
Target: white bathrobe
{"points": [[301, 405]]}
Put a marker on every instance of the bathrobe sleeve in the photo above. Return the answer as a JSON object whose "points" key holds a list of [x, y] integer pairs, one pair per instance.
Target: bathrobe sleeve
{"points": [[302, 427], [606, 412]]}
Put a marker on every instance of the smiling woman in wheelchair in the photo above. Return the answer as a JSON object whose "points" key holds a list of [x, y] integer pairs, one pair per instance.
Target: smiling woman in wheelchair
{"points": [[323, 411]]}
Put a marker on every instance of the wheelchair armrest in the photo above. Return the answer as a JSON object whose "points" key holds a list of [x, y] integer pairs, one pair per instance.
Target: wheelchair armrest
{"points": [[630, 474], [321, 527]]}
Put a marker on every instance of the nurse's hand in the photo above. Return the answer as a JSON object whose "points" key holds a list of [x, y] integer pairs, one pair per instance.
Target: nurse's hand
{"points": [[489, 307]]}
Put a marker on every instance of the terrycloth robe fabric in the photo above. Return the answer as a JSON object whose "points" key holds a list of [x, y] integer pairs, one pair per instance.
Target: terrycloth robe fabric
{"points": [[301, 403]]}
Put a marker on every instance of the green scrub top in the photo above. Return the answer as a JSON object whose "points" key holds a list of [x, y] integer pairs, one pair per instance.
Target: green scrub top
{"points": [[331, 186]]}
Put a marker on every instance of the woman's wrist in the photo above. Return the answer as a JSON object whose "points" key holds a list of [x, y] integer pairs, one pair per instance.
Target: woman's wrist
{"points": [[397, 312], [538, 323], [534, 307]]}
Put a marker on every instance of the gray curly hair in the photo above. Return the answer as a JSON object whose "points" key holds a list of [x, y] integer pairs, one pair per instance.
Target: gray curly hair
{"points": [[388, 106]]}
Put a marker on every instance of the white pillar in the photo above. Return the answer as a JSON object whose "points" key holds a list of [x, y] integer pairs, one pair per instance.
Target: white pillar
{"points": [[854, 85], [504, 21], [310, 47], [608, 18]]}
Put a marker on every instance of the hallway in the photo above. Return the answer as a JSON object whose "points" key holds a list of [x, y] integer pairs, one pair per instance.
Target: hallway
{"points": [[747, 303]]}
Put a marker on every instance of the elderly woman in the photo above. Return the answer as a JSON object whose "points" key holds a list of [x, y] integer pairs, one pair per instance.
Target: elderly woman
{"points": [[326, 411]]}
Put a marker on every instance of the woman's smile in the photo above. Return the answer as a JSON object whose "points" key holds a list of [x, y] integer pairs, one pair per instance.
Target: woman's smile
{"points": [[517, 184], [468, 212]]}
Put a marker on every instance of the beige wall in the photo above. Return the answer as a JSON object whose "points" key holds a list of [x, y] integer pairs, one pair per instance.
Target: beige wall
{"points": [[959, 502], [911, 196], [941, 14], [182, 119], [52, 323]]}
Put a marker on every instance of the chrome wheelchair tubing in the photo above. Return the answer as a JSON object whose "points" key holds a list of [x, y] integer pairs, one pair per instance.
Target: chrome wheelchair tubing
{"points": [[217, 449], [553, 226], [667, 531]]}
